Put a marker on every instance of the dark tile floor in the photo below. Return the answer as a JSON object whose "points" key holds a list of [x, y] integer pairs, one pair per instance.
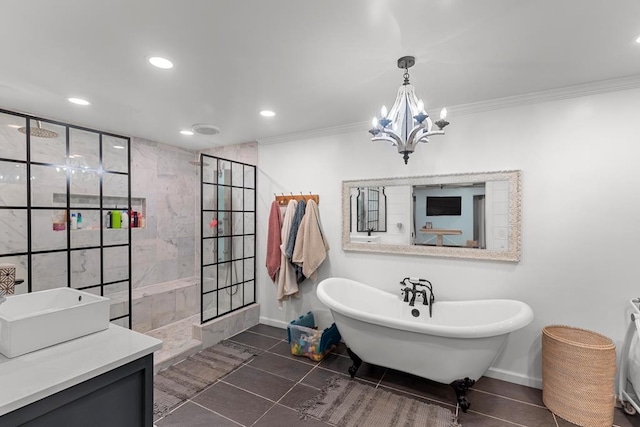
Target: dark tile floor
{"points": [[267, 390]]}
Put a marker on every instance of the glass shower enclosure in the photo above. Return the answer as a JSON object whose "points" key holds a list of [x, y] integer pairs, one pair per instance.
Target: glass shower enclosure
{"points": [[228, 241]]}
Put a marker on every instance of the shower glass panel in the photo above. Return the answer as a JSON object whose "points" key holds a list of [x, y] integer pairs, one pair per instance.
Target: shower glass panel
{"points": [[51, 175], [227, 201], [84, 149], [13, 179], [12, 142], [114, 154], [50, 149]]}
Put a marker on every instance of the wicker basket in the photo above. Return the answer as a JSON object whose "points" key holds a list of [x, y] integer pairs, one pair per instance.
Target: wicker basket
{"points": [[578, 371]]}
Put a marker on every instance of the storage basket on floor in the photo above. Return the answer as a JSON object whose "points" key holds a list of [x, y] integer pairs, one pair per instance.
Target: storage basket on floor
{"points": [[308, 338], [578, 371]]}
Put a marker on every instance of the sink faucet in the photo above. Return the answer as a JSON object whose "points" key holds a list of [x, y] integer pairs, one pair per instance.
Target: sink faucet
{"points": [[411, 285]]}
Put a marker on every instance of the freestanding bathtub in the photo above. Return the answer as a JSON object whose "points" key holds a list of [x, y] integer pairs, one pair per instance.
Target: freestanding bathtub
{"points": [[460, 341]]}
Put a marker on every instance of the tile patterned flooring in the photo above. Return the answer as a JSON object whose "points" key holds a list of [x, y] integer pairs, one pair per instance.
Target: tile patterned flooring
{"points": [[265, 392]]}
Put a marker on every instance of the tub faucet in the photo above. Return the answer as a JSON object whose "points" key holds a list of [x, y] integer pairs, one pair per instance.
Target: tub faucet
{"points": [[414, 283]]}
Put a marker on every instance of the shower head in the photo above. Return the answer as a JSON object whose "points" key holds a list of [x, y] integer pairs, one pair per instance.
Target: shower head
{"points": [[39, 131], [198, 161]]}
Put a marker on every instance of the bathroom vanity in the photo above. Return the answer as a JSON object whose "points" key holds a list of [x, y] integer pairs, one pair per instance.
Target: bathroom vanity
{"points": [[101, 379]]}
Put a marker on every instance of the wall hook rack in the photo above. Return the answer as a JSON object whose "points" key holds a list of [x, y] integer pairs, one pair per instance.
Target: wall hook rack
{"points": [[284, 200]]}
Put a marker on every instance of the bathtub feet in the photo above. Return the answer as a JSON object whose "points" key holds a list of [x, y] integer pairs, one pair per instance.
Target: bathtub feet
{"points": [[356, 362], [460, 387]]}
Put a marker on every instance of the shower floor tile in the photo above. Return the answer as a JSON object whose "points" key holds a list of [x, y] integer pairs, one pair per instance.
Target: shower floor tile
{"points": [[268, 389], [177, 342]]}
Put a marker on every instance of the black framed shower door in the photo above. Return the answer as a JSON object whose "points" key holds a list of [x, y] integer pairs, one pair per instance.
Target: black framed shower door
{"points": [[228, 236]]}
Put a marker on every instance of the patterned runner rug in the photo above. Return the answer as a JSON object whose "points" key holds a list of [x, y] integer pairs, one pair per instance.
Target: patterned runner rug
{"points": [[185, 379], [347, 403]]}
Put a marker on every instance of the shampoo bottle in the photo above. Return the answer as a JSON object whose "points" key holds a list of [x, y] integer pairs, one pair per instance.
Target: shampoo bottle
{"points": [[74, 222], [124, 219], [115, 219], [79, 220], [108, 221]]}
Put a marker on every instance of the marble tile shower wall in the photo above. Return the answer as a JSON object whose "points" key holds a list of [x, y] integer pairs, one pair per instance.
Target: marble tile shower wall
{"points": [[48, 189], [165, 249]]}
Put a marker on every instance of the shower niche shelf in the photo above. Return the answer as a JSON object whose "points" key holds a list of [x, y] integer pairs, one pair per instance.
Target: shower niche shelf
{"points": [[78, 202]]}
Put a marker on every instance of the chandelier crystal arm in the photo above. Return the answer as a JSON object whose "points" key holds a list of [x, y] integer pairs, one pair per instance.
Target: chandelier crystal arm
{"points": [[389, 137]]}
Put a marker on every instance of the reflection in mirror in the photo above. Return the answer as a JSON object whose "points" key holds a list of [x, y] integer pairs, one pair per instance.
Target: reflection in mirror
{"points": [[474, 215], [371, 209], [450, 215]]}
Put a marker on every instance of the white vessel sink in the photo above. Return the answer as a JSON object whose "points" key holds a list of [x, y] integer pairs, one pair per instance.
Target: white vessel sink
{"points": [[360, 238], [29, 322]]}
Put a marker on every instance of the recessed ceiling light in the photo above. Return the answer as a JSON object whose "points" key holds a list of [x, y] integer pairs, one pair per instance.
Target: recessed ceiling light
{"points": [[638, 39], [160, 62], [79, 101], [119, 147], [267, 113], [186, 132]]}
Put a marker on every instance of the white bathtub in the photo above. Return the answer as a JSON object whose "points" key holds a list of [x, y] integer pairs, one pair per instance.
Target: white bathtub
{"points": [[461, 340]]}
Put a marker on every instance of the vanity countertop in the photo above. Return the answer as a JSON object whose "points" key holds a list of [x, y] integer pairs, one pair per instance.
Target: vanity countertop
{"points": [[33, 376]]}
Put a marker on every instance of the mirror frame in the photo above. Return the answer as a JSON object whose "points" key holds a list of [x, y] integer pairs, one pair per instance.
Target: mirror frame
{"points": [[512, 254]]}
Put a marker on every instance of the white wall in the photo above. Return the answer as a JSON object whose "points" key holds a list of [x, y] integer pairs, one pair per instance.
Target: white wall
{"points": [[579, 263]]}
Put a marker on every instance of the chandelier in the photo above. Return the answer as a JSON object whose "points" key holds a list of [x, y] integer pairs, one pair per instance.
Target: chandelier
{"points": [[407, 123]]}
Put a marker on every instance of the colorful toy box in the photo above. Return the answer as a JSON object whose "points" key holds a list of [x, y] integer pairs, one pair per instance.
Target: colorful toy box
{"points": [[307, 339]]}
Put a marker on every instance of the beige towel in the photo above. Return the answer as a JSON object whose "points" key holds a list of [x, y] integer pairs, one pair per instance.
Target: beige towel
{"points": [[287, 284], [311, 247]]}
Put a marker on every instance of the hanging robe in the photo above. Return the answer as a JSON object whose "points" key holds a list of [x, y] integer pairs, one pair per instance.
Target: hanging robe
{"points": [[273, 241], [311, 247], [287, 277], [295, 225]]}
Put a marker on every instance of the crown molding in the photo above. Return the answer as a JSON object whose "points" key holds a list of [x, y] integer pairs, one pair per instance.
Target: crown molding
{"points": [[568, 92], [316, 133]]}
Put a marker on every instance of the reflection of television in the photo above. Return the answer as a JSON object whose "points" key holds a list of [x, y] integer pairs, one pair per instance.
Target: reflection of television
{"points": [[438, 206]]}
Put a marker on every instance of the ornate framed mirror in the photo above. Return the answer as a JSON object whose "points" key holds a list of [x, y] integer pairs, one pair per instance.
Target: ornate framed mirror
{"points": [[466, 215]]}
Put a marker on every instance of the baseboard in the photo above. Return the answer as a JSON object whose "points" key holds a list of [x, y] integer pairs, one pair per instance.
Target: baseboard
{"points": [[273, 322], [514, 377]]}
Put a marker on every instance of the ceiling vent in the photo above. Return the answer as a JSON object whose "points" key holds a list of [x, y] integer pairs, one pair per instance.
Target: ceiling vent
{"points": [[205, 129]]}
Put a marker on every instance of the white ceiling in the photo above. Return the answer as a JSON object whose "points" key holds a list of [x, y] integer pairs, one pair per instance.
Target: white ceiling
{"points": [[317, 64]]}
